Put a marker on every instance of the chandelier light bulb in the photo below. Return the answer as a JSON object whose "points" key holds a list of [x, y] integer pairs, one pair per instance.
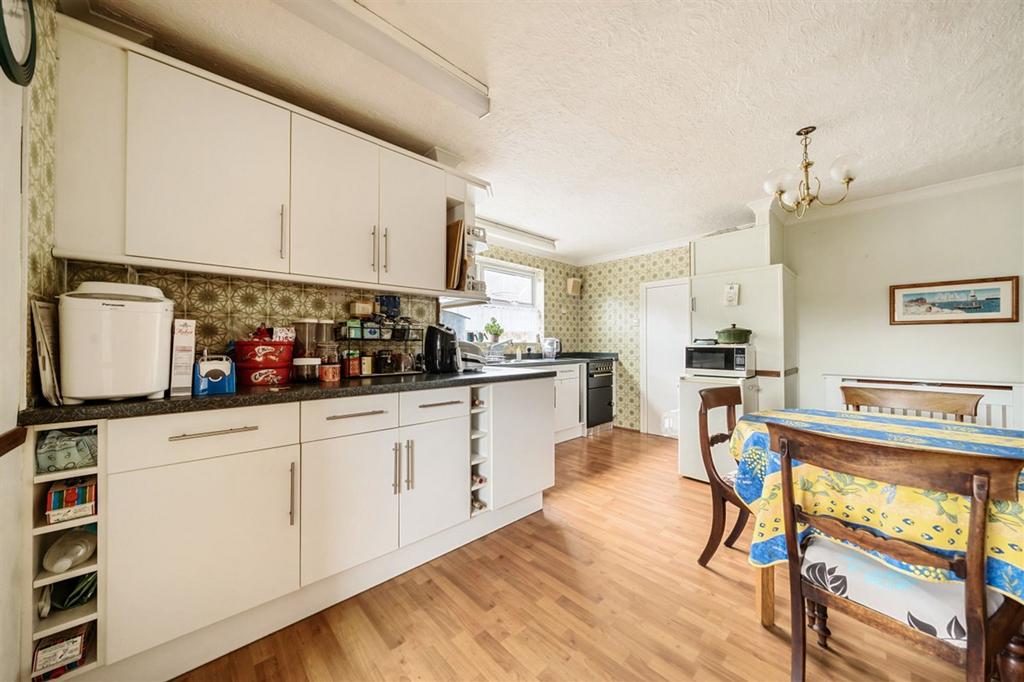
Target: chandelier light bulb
{"points": [[846, 167], [791, 197], [778, 180]]}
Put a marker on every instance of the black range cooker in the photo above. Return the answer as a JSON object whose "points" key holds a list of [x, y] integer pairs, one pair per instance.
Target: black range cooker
{"points": [[600, 392]]}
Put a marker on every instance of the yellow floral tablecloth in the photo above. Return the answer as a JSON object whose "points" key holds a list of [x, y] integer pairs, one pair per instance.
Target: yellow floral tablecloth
{"points": [[934, 519]]}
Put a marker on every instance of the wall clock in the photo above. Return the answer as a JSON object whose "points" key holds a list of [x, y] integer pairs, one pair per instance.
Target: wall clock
{"points": [[18, 40]]}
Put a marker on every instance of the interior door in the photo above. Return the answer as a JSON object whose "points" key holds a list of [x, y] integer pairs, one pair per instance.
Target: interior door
{"points": [[666, 332], [191, 544], [349, 502], [435, 477], [335, 199], [412, 222], [207, 171]]}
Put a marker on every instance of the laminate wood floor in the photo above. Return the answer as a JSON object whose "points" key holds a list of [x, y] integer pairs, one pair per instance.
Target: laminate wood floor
{"points": [[601, 584]]}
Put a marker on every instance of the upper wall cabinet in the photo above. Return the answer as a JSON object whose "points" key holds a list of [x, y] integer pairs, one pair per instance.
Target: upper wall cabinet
{"points": [[335, 202], [207, 171], [412, 222], [162, 164]]}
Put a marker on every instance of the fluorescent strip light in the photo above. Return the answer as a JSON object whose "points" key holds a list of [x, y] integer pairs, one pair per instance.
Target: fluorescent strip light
{"points": [[507, 235], [363, 30]]}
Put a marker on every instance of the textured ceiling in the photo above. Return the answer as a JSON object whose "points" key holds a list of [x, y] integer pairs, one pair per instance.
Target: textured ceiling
{"points": [[620, 124]]}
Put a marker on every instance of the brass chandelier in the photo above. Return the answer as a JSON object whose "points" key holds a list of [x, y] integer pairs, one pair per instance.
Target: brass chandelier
{"points": [[798, 199]]}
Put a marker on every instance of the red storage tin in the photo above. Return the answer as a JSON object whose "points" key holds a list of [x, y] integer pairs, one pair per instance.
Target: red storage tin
{"points": [[253, 354], [263, 376]]}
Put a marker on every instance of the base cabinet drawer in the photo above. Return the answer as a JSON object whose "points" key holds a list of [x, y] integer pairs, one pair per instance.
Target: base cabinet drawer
{"points": [[142, 442], [191, 544], [346, 416], [418, 407]]}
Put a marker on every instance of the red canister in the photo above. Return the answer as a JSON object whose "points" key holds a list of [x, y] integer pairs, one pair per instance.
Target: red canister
{"points": [[263, 363]]}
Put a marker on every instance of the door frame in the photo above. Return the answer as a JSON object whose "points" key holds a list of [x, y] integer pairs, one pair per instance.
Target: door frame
{"points": [[644, 288]]}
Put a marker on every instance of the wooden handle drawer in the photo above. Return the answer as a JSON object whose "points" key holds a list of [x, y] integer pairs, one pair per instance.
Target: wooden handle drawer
{"points": [[418, 407], [142, 442], [347, 416]]}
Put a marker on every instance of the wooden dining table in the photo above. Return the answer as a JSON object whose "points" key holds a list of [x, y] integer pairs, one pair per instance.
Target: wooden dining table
{"points": [[930, 518]]}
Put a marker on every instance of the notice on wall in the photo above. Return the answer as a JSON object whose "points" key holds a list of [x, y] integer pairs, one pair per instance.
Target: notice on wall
{"points": [[731, 296]]}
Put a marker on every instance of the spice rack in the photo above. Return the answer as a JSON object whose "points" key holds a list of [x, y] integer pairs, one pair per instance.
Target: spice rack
{"points": [[38, 536], [479, 449]]}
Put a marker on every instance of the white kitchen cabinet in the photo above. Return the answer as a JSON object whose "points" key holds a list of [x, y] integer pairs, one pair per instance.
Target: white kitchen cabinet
{"points": [[412, 222], [349, 502], [191, 544], [522, 439], [435, 478], [335, 202], [207, 171], [567, 403]]}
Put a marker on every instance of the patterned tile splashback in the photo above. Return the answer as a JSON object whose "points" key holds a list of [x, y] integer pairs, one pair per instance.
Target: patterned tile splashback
{"points": [[227, 308]]}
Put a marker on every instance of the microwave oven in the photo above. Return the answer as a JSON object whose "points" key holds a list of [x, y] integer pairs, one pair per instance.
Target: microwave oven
{"points": [[721, 360]]}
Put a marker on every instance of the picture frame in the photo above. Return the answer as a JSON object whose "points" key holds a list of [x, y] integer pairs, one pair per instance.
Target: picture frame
{"points": [[960, 301]]}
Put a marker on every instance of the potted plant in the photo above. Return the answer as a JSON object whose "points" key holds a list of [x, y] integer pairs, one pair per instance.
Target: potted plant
{"points": [[494, 329]]}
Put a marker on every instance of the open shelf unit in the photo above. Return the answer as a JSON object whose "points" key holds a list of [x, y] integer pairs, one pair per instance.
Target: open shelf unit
{"points": [[480, 449], [39, 536]]}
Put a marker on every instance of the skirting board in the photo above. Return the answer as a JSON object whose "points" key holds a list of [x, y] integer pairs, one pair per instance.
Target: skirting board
{"points": [[569, 433], [192, 650]]}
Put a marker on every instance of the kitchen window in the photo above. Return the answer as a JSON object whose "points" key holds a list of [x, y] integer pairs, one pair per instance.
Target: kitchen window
{"points": [[517, 301]]}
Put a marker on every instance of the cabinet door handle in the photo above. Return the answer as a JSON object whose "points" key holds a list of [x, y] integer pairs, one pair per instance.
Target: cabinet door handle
{"points": [[373, 248], [602, 374], [368, 413], [410, 466], [207, 434], [291, 495], [441, 404], [282, 231], [396, 484], [386, 250]]}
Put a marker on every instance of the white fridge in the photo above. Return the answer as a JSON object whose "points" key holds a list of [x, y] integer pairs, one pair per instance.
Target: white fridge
{"points": [[690, 463]]}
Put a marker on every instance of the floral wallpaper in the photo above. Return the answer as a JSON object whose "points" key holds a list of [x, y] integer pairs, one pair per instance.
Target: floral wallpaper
{"points": [[40, 267], [561, 311], [606, 317], [610, 317], [227, 308]]}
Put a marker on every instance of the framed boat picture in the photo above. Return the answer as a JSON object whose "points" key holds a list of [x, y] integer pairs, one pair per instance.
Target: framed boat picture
{"points": [[992, 299]]}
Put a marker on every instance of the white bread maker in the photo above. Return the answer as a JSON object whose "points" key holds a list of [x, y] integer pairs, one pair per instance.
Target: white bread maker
{"points": [[115, 342]]}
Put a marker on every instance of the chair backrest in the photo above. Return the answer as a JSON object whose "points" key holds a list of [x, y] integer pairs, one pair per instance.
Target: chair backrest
{"points": [[711, 398], [905, 401], [978, 478]]}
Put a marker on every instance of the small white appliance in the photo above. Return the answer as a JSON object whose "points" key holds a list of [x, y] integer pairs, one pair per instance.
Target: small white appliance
{"points": [[473, 357], [115, 342], [690, 463], [721, 360]]}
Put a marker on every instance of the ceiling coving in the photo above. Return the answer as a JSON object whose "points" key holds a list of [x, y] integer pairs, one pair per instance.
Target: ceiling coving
{"points": [[620, 124]]}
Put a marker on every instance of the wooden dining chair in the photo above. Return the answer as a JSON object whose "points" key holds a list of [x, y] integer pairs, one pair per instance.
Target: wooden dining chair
{"points": [[722, 491], [966, 622], [933, 403]]}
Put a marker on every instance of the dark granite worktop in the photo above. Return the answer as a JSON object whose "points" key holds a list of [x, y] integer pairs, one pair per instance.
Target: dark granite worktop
{"points": [[246, 397], [534, 360]]}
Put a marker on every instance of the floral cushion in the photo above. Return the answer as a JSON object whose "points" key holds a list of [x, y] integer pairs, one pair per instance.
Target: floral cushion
{"points": [[935, 608]]}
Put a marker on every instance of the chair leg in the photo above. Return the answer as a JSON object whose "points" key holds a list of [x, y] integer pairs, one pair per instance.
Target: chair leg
{"points": [[821, 624], [798, 641], [809, 605], [737, 530], [1010, 661], [717, 528]]}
